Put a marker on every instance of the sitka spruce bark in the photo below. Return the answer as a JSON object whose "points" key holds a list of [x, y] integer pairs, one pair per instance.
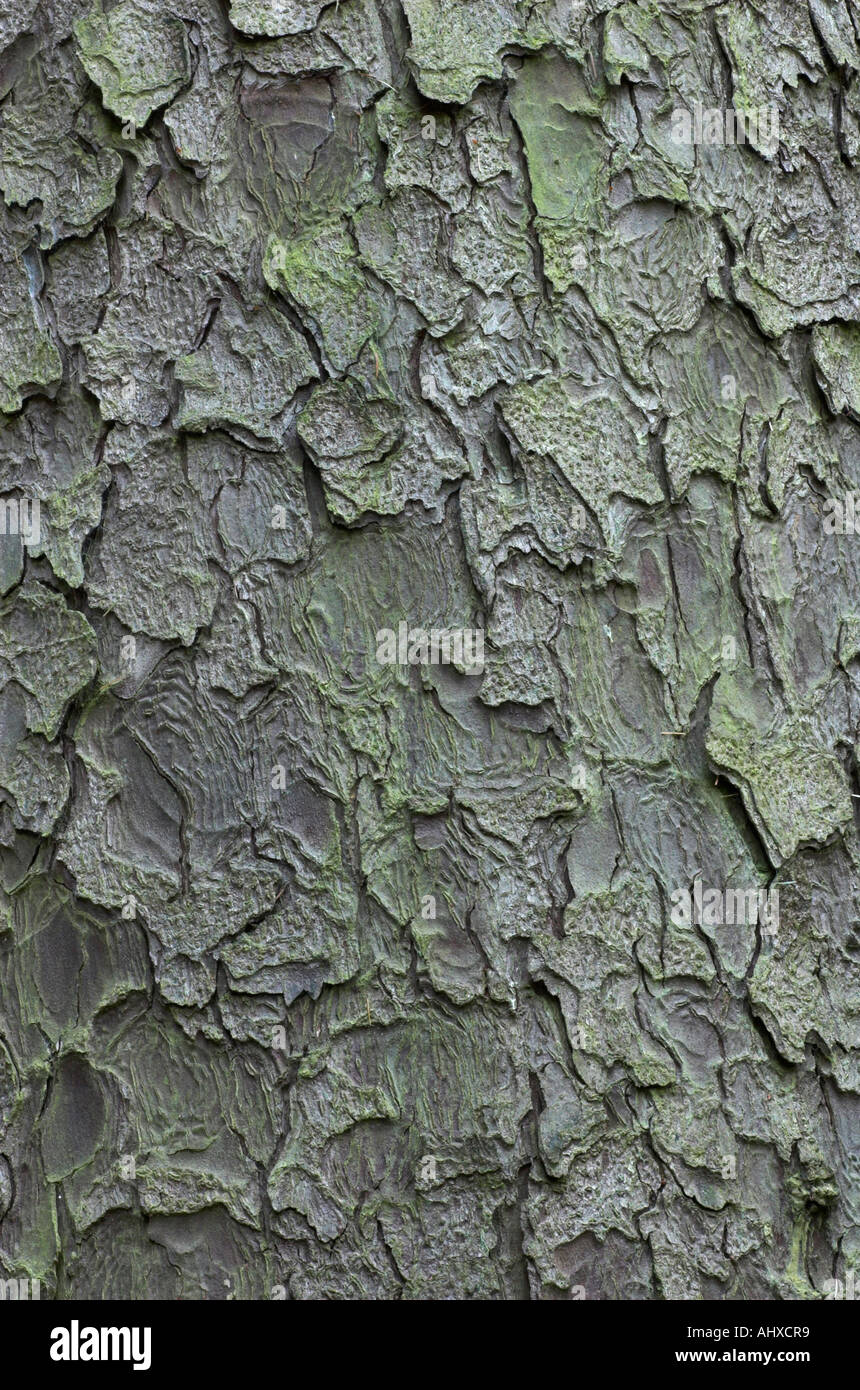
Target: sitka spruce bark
{"points": [[430, 649]]}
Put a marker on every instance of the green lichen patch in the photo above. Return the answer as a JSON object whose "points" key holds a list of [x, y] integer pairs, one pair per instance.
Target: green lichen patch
{"points": [[48, 650], [320, 272], [275, 18], [793, 785], [138, 56], [457, 42], [836, 349], [601, 451]]}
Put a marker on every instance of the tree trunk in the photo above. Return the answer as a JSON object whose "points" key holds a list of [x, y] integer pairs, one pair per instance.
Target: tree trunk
{"points": [[429, 649]]}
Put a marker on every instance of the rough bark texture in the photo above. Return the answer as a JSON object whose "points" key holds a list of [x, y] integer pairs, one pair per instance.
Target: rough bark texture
{"points": [[325, 977]]}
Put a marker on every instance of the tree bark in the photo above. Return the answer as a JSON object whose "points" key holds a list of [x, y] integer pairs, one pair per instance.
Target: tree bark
{"points": [[429, 649]]}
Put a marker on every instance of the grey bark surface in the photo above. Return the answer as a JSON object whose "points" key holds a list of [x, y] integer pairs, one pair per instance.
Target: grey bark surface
{"points": [[327, 976]]}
